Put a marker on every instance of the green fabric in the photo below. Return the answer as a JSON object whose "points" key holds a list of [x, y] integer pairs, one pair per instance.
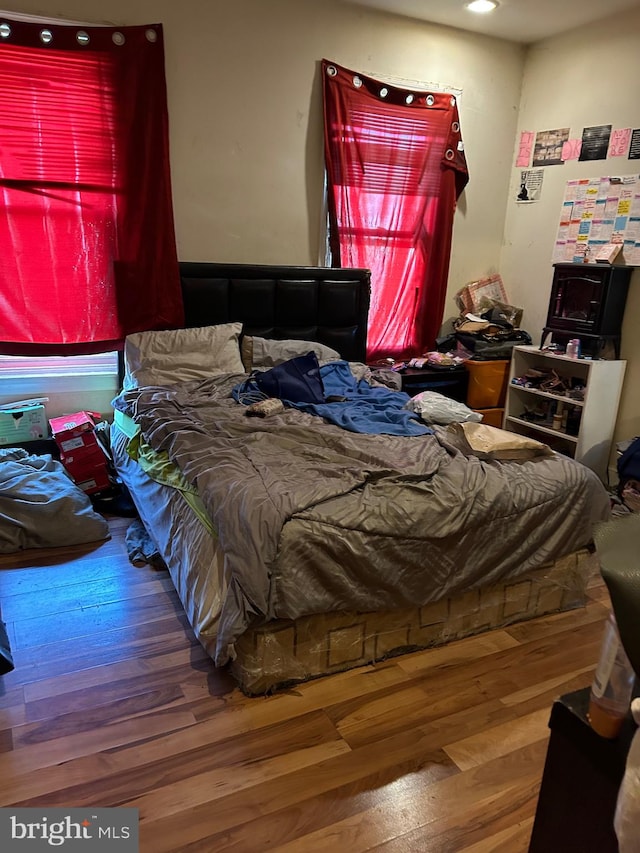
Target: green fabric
{"points": [[126, 424], [160, 468]]}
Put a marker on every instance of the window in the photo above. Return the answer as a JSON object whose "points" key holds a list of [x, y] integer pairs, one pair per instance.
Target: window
{"points": [[20, 367], [87, 245], [395, 167]]}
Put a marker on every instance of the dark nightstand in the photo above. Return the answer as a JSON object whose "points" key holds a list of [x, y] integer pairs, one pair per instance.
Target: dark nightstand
{"points": [[582, 775], [452, 382]]}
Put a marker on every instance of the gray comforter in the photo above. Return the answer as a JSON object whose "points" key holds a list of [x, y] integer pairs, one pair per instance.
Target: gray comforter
{"points": [[312, 518], [41, 506]]}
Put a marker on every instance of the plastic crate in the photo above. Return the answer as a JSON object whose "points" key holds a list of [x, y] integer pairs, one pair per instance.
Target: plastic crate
{"points": [[487, 386]]}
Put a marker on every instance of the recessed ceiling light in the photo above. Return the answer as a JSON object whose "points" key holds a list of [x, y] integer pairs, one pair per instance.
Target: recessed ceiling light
{"points": [[482, 6]]}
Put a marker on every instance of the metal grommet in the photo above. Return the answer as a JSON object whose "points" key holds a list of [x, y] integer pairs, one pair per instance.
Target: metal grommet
{"points": [[357, 82], [384, 92], [5, 31], [449, 154], [118, 38], [46, 36], [409, 99], [455, 127], [430, 100], [332, 70], [151, 35], [82, 37]]}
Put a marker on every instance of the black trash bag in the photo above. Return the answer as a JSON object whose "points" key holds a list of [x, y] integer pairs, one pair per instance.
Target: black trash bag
{"points": [[493, 347]]}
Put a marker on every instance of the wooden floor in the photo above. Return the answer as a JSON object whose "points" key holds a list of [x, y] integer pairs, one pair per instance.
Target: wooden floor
{"points": [[113, 703]]}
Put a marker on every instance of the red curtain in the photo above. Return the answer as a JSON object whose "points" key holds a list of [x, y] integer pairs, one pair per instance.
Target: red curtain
{"points": [[87, 243], [395, 168]]}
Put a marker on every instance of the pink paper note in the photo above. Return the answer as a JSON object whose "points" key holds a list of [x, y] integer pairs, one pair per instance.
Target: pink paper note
{"points": [[571, 149], [619, 142], [524, 149]]}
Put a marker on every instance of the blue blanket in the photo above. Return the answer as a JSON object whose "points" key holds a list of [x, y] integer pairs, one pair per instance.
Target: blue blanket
{"points": [[367, 409]]}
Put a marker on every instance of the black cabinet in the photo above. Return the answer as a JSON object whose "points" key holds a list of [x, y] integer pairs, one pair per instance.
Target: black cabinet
{"points": [[587, 302], [452, 382], [580, 783]]}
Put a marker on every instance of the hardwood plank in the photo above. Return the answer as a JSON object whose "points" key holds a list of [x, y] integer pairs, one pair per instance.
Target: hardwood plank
{"points": [[552, 686], [114, 702], [404, 760], [485, 821], [55, 723], [115, 679], [460, 651], [482, 747], [317, 812], [512, 839], [138, 641], [446, 799], [79, 595], [546, 626], [86, 621], [172, 799], [193, 769], [64, 749], [492, 676]]}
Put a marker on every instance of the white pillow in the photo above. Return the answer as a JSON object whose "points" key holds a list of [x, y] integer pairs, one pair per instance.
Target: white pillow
{"points": [[266, 352], [181, 355], [435, 408]]}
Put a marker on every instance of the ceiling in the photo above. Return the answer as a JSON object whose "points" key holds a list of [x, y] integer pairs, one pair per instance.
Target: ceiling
{"points": [[524, 21]]}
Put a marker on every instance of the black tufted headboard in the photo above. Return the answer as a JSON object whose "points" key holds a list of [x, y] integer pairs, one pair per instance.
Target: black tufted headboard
{"points": [[305, 303]]}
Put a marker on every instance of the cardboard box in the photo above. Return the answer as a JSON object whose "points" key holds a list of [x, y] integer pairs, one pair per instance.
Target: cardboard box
{"points": [[609, 254], [84, 458], [72, 425], [23, 423], [71, 432], [85, 441], [88, 464], [96, 480], [471, 298]]}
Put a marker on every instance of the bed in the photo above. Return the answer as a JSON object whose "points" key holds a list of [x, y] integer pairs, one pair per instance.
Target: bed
{"points": [[301, 545]]}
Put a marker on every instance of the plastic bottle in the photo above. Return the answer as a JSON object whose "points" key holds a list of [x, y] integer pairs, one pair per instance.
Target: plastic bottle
{"points": [[573, 348], [612, 685]]}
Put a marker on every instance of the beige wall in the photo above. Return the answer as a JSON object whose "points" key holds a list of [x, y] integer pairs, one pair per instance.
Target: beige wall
{"points": [[587, 77]]}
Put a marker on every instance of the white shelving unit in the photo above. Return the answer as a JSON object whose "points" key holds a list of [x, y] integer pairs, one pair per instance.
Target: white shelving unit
{"points": [[593, 418]]}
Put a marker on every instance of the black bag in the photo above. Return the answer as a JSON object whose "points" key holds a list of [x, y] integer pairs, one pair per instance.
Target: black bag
{"points": [[629, 463], [297, 380], [489, 347]]}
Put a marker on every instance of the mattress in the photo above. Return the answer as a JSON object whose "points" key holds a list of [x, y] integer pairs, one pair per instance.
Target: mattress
{"points": [[274, 654], [310, 518]]}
